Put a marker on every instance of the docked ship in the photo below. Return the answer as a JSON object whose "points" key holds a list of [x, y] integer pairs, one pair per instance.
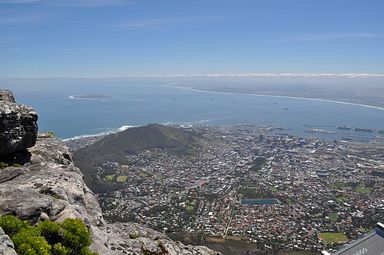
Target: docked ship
{"points": [[343, 127], [318, 130], [364, 129]]}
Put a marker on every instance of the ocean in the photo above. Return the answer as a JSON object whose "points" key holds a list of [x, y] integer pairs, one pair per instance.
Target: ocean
{"points": [[115, 103]]}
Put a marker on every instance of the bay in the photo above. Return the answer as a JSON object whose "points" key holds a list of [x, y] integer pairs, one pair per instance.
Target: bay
{"points": [[135, 102]]}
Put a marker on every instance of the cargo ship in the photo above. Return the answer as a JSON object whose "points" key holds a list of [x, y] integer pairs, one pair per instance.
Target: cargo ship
{"points": [[364, 130], [343, 127]]}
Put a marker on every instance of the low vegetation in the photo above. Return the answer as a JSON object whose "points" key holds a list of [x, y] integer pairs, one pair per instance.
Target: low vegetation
{"points": [[331, 238], [3, 165], [71, 237], [363, 190], [333, 217], [122, 178], [258, 163], [110, 178], [51, 134]]}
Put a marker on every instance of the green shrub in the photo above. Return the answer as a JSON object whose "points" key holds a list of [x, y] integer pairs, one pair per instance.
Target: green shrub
{"points": [[3, 165], [12, 225], [76, 235], [51, 134], [134, 235], [59, 249], [28, 241], [51, 231], [70, 237], [86, 251]]}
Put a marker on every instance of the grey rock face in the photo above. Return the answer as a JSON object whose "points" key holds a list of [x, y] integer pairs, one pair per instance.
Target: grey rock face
{"points": [[6, 245], [133, 238], [51, 187], [18, 125], [7, 96]]}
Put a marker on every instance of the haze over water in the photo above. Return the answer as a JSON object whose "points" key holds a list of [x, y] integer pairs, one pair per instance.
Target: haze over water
{"points": [[137, 102]]}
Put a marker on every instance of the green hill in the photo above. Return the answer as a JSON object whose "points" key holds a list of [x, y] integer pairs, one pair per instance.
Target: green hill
{"points": [[115, 147]]}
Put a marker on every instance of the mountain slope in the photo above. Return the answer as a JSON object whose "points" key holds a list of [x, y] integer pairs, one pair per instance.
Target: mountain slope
{"points": [[115, 147]]}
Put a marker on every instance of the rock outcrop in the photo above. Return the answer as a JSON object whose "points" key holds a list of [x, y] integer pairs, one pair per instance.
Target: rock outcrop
{"points": [[6, 245], [7, 96], [49, 187], [18, 125]]}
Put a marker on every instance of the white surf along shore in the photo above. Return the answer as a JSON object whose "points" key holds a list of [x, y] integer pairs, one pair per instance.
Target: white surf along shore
{"points": [[186, 125], [111, 131], [278, 96]]}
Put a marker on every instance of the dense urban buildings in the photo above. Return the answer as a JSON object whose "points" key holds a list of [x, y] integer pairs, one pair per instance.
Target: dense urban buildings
{"points": [[250, 184]]}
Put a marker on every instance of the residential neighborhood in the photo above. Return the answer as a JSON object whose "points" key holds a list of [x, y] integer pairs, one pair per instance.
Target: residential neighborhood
{"points": [[253, 184]]}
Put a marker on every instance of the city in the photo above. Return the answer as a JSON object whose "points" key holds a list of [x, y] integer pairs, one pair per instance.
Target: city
{"points": [[252, 184]]}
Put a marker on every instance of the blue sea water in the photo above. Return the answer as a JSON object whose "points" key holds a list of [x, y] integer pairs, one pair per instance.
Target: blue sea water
{"points": [[143, 101]]}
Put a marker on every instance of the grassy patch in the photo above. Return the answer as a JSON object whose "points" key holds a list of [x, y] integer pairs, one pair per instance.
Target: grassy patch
{"points": [[274, 190], [134, 235], [338, 185], [333, 216], [215, 239], [342, 199], [3, 165], [289, 201], [122, 178], [364, 190], [235, 238], [144, 174], [51, 134], [258, 163], [189, 209], [110, 178], [190, 206], [330, 238]]}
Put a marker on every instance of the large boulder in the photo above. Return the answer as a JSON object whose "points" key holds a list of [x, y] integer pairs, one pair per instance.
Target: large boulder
{"points": [[7, 96], [18, 125], [6, 245]]}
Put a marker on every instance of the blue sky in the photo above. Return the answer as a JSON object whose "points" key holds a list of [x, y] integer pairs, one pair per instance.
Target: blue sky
{"points": [[67, 38]]}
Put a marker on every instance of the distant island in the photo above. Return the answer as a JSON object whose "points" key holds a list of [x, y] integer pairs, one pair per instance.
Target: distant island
{"points": [[89, 96]]}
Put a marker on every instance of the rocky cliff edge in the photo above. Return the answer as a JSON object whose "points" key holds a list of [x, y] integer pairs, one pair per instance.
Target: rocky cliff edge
{"points": [[18, 124]]}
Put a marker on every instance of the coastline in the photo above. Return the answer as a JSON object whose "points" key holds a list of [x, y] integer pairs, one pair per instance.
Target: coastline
{"points": [[280, 96], [186, 124], [88, 97], [101, 134]]}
